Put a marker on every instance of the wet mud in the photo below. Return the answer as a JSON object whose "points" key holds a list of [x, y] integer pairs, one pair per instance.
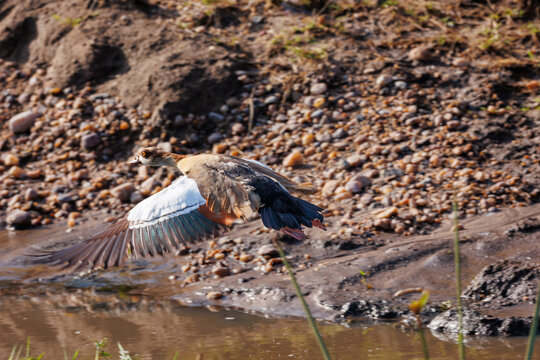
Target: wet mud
{"points": [[499, 273]]}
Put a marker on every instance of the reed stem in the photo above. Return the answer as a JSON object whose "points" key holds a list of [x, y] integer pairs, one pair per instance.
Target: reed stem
{"points": [[310, 318], [534, 327], [457, 263]]}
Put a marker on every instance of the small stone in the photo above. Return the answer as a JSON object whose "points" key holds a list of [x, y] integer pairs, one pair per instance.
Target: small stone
{"points": [[148, 185], [238, 128], [387, 213], [357, 184], [215, 117], [22, 122], [454, 124], [221, 271], [90, 141], [10, 160], [420, 53], [383, 80], [215, 138], [34, 174], [282, 118], [293, 159], [135, 197], [460, 62], [355, 160], [30, 195], [318, 89], [319, 102], [307, 139], [245, 257], [18, 218], [123, 191], [271, 100], [214, 295], [339, 133], [257, 19], [165, 146], [402, 85], [268, 251], [317, 114], [16, 172]]}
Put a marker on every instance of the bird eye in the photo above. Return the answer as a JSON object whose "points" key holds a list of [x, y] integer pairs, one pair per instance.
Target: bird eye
{"points": [[144, 153]]}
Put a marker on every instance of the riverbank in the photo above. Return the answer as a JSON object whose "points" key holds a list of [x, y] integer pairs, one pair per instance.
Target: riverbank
{"points": [[389, 110]]}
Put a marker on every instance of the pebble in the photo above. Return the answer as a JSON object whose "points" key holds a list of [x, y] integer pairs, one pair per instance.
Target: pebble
{"points": [[90, 141], [238, 128], [357, 184], [402, 85], [214, 295], [421, 53], [294, 159], [10, 160], [317, 114], [318, 89], [319, 102], [245, 257], [16, 172], [221, 270], [215, 117], [383, 80], [268, 251], [460, 62], [387, 213], [339, 133], [308, 139], [271, 100], [355, 160], [22, 122], [215, 138], [123, 191], [148, 185], [30, 195], [18, 218]]}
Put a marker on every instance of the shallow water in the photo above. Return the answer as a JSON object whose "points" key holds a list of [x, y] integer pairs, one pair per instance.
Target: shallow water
{"points": [[73, 315]]}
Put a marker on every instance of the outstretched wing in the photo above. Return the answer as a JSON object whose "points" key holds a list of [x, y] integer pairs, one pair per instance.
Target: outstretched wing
{"points": [[166, 221]]}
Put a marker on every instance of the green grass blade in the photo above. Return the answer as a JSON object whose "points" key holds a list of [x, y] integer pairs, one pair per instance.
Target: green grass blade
{"points": [[75, 355], [534, 327], [310, 318], [12, 355], [457, 263]]}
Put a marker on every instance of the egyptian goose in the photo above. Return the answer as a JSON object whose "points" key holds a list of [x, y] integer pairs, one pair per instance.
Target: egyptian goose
{"points": [[215, 191]]}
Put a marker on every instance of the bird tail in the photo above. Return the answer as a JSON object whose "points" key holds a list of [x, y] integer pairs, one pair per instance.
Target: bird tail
{"points": [[290, 214]]}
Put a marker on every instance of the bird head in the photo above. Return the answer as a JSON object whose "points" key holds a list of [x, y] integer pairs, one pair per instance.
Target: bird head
{"points": [[153, 157]]}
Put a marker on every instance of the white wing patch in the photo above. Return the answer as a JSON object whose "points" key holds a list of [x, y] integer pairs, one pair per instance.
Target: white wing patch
{"points": [[181, 197]]}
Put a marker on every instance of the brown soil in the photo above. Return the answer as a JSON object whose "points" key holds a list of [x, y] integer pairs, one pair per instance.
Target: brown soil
{"points": [[149, 72]]}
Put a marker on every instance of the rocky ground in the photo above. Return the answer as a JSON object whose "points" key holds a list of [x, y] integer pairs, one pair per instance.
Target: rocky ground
{"points": [[390, 109]]}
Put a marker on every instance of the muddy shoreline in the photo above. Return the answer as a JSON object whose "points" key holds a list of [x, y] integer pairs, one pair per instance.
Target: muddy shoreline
{"points": [[389, 109], [330, 279]]}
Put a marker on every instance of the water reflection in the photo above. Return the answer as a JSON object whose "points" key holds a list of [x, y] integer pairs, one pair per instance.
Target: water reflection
{"points": [[157, 330]]}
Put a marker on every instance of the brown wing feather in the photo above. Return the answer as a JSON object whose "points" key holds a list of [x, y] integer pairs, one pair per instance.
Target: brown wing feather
{"points": [[96, 251], [290, 185], [224, 193]]}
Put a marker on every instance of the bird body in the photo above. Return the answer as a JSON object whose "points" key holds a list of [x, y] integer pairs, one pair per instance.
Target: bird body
{"points": [[214, 191]]}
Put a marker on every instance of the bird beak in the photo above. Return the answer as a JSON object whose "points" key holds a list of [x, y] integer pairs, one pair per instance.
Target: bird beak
{"points": [[134, 161]]}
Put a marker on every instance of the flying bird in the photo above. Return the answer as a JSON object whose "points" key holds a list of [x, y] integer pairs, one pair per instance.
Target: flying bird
{"points": [[213, 192]]}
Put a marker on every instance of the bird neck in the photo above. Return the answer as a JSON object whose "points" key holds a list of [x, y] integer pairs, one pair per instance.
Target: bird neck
{"points": [[171, 159]]}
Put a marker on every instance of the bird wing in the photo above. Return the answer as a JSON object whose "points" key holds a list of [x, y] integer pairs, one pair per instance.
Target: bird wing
{"points": [[166, 221], [223, 183], [287, 183]]}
